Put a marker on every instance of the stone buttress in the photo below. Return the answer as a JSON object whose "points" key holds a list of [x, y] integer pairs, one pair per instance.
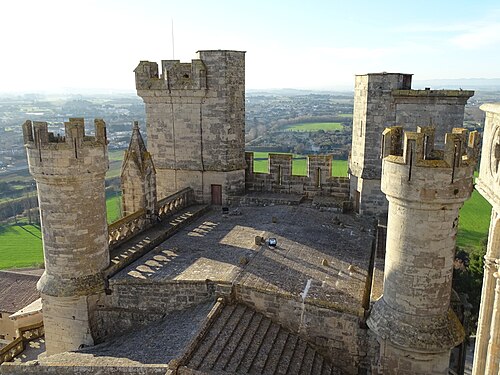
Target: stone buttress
{"points": [[70, 171], [426, 187], [195, 118], [386, 99], [487, 349]]}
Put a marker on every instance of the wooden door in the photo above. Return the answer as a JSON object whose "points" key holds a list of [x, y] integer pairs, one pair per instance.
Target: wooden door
{"points": [[217, 195]]}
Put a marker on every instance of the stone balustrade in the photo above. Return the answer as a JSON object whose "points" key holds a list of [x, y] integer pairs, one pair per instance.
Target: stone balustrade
{"points": [[175, 202], [130, 225], [9, 352], [126, 228]]}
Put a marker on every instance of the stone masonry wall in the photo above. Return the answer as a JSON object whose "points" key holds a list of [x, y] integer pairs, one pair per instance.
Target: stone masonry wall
{"points": [[280, 179], [195, 117], [386, 99], [138, 303]]}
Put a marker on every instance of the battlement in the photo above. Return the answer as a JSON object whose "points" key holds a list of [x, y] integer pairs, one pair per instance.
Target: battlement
{"points": [[72, 154], [280, 179], [174, 75], [208, 71], [36, 134], [417, 148]]}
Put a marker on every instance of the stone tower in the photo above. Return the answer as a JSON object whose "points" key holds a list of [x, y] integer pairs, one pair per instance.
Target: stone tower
{"points": [[195, 118], [69, 171], [386, 99], [413, 321], [487, 350], [138, 177]]}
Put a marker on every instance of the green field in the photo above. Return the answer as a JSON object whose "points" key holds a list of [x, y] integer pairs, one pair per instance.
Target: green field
{"points": [[113, 206], [314, 127], [474, 222], [21, 244], [299, 165]]}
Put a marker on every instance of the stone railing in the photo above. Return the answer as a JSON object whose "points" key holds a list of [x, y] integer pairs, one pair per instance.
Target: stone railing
{"points": [[26, 334], [126, 227], [174, 202]]}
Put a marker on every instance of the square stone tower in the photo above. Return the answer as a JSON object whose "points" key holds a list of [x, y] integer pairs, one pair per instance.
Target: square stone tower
{"points": [[195, 119], [383, 100]]}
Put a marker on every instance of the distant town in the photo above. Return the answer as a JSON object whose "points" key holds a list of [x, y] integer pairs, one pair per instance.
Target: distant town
{"points": [[270, 116]]}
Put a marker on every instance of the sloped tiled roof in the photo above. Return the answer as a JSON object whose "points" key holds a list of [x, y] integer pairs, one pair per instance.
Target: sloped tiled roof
{"points": [[243, 341], [17, 290]]}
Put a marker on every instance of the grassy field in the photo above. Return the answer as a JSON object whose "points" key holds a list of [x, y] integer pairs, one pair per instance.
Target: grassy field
{"points": [[299, 165], [314, 127], [474, 222], [21, 244], [113, 206]]}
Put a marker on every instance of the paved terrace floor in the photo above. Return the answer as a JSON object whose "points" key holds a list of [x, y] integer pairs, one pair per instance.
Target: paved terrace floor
{"points": [[323, 254]]}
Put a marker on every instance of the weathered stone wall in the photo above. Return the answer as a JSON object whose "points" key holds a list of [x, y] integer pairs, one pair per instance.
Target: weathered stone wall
{"points": [[413, 320], [319, 180], [487, 350], [195, 116], [132, 304], [386, 99], [70, 172]]}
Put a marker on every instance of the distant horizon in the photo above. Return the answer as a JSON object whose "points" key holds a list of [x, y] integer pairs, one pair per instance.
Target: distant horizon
{"points": [[464, 83]]}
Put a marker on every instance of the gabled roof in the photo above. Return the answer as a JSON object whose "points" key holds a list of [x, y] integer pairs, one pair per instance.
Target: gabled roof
{"points": [[17, 290]]}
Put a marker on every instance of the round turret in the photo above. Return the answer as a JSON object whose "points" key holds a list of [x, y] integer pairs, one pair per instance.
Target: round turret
{"points": [[70, 172], [425, 188]]}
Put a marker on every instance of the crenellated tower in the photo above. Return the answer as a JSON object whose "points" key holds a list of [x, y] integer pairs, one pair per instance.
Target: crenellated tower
{"points": [[426, 187], [70, 171], [138, 177], [195, 119], [383, 100]]}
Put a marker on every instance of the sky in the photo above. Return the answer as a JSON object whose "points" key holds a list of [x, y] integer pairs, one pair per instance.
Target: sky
{"points": [[71, 45]]}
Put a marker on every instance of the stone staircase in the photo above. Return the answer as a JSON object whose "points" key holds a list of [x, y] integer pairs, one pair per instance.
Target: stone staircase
{"points": [[243, 341]]}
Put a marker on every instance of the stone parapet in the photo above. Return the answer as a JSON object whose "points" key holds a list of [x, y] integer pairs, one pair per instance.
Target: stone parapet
{"points": [[280, 179], [426, 174], [465, 94], [73, 155]]}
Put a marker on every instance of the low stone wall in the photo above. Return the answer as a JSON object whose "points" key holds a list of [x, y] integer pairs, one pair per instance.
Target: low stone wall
{"points": [[280, 179], [133, 304]]}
